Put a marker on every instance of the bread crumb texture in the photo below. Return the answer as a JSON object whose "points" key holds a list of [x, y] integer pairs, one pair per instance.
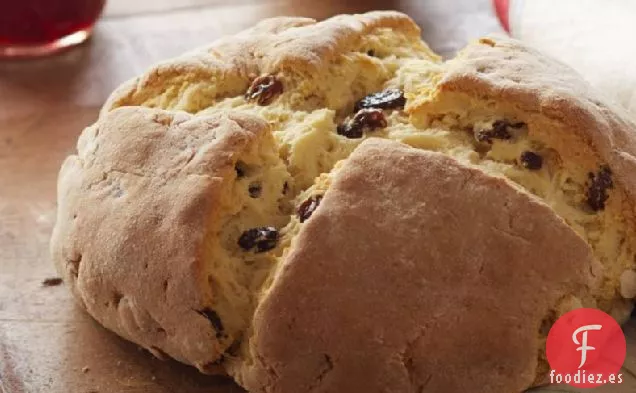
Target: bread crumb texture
{"points": [[230, 209]]}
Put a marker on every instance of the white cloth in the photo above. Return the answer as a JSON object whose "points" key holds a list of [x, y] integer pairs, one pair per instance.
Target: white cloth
{"points": [[595, 37]]}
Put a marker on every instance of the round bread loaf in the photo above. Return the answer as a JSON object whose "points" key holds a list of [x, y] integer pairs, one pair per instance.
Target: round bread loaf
{"points": [[329, 207]]}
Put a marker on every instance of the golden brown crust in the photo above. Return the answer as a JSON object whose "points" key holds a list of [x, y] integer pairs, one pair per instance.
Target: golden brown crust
{"points": [[416, 273], [138, 203], [134, 210], [504, 70], [503, 77], [226, 67]]}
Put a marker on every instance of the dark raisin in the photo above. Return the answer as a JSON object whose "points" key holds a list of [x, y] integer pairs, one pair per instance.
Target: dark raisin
{"points": [[365, 119], [240, 169], [371, 53], [285, 188], [598, 186], [214, 319], [234, 348], [499, 130], [307, 208], [51, 282], [348, 130], [531, 160], [261, 239], [387, 99], [264, 89], [370, 119], [255, 190]]}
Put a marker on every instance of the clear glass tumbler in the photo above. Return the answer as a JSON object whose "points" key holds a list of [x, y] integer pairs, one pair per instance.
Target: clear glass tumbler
{"points": [[40, 27]]}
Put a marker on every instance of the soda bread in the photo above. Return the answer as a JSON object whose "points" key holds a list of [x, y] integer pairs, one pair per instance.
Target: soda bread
{"points": [[329, 207]]}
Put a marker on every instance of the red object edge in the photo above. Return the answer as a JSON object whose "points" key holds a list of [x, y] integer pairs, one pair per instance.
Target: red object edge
{"points": [[502, 8]]}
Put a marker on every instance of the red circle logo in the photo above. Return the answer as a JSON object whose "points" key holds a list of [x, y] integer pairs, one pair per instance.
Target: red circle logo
{"points": [[586, 348]]}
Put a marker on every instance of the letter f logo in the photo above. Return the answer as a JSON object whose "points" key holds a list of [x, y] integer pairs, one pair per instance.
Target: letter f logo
{"points": [[584, 347]]}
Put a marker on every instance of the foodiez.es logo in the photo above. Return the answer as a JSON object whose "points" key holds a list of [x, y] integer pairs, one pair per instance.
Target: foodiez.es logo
{"points": [[586, 348]]}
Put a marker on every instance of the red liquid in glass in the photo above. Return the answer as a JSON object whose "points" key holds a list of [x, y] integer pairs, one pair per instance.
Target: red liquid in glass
{"points": [[33, 22]]}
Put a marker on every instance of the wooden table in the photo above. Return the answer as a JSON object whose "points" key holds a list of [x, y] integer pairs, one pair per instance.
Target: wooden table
{"points": [[46, 343]]}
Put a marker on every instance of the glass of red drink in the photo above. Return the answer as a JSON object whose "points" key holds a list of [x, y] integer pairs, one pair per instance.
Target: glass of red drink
{"points": [[40, 27]]}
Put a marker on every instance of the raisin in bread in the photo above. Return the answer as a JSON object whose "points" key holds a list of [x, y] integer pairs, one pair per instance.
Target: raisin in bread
{"points": [[328, 206]]}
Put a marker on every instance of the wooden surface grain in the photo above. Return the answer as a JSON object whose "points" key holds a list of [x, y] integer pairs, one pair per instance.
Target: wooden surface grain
{"points": [[46, 343]]}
